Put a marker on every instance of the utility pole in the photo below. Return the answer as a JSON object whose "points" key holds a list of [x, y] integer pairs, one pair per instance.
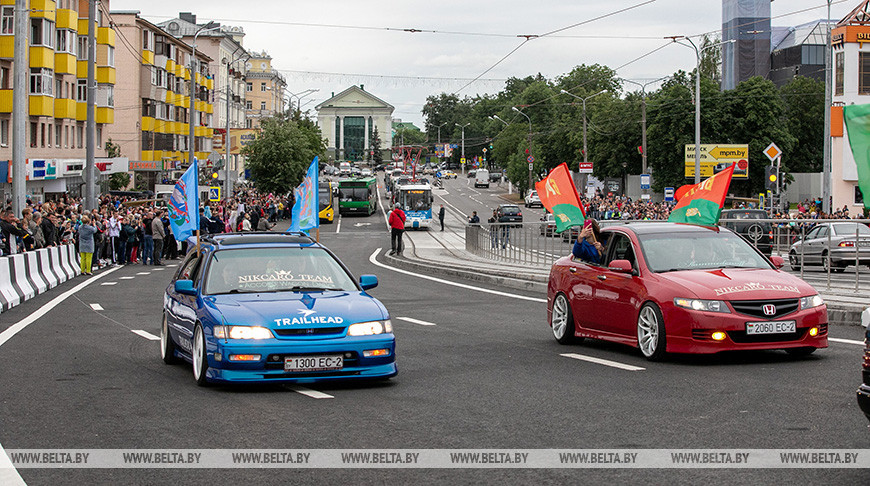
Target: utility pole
{"points": [[19, 106], [584, 176], [826, 154], [643, 86], [91, 127], [463, 144]]}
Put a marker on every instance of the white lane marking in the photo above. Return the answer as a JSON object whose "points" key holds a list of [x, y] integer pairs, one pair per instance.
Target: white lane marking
{"points": [[308, 392], [158, 269], [416, 321], [338, 224], [109, 283], [846, 341], [8, 474], [145, 334], [605, 362], [144, 273], [127, 278], [97, 307], [448, 282], [173, 265], [383, 209]]}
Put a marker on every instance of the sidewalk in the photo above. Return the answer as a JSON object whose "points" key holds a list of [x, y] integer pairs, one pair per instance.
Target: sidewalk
{"points": [[444, 253]]}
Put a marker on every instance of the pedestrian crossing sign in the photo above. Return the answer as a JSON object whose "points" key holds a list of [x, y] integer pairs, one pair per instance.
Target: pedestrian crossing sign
{"points": [[214, 194]]}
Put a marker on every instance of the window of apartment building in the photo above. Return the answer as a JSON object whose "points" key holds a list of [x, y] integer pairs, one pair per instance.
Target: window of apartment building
{"points": [[147, 107], [42, 137], [41, 81], [863, 73], [262, 105], [7, 25], [159, 45], [4, 133], [147, 40], [99, 136], [249, 86], [110, 94], [110, 56], [34, 133], [154, 75], [58, 88], [50, 131], [41, 32], [66, 41], [69, 92], [838, 74], [81, 90], [249, 123], [66, 136], [262, 86], [81, 132], [82, 48], [4, 78], [249, 104]]}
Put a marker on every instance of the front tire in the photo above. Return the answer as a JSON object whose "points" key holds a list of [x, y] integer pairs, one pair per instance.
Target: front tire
{"points": [[199, 357], [651, 337], [167, 345], [562, 321], [794, 260]]}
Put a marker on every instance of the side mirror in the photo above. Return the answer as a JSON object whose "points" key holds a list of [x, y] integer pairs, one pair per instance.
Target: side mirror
{"points": [[185, 287], [777, 261], [621, 266], [368, 281]]}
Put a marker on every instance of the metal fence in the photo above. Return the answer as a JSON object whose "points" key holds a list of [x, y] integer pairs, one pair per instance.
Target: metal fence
{"points": [[538, 245]]}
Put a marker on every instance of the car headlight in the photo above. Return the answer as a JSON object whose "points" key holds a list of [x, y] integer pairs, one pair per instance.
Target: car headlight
{"points": [[812, 301], [702, 305], [242, 332], [370, 328]]}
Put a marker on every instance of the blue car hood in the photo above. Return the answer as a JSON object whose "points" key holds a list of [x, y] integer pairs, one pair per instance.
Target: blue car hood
{"points": [[282, 310]]}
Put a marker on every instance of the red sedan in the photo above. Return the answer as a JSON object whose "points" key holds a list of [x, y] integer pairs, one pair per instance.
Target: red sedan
{"points": [[676, 288]]}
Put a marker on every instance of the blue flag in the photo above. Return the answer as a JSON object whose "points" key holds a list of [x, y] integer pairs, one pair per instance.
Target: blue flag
{"points": [[305, 214], [184, 204]]}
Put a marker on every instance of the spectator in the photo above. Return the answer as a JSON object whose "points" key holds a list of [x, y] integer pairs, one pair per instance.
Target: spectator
{"points": [[157, 235], [86, 234]]}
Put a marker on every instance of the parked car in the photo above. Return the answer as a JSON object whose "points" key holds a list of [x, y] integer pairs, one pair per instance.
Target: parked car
{"points": [[548, 225], [509, 213], [842, 247], [745, 222], [470, 174], [494, 176], [532, 199]]}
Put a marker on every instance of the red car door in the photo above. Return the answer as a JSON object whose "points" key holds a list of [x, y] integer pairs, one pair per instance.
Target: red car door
{"points": [[617, 295]]}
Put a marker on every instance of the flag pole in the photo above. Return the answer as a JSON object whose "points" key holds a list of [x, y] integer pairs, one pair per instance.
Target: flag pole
{"points": [[197, 243]]}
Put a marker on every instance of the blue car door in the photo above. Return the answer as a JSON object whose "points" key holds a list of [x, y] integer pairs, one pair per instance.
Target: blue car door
{"points": [[181, 315]]}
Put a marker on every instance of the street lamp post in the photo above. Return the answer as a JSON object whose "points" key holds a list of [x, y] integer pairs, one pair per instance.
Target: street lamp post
{"points": [[439, 130], [826, 148], [243, 58], [496, 117], [677, 39], [463, 144], [530, 142], [192, 121], [299, 97], [585, 156]]}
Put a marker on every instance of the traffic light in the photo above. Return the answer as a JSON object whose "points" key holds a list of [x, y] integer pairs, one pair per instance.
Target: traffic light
{"points": [[771, 179]]}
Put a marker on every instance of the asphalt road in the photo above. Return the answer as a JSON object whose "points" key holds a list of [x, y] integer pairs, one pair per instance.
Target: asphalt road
{"points": [[487, 374]]}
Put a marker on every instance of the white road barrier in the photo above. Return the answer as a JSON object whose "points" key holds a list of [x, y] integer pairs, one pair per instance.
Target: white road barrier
{"points": [[25, 275]]}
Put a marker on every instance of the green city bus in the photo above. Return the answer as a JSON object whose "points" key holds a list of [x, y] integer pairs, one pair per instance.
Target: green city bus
{"points": [[357, 195]]}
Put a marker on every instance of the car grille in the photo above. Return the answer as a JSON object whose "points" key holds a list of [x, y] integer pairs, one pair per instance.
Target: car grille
{"points": [[309, 331], [741, 337], [755, 308]]}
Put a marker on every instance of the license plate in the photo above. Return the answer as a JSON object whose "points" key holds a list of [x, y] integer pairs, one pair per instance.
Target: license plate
{"points": [[313, 363], [773, 327]]}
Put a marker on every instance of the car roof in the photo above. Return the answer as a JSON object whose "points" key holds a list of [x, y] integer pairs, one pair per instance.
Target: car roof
{"points": [[662, 227], [508, 206], [259, 239]]}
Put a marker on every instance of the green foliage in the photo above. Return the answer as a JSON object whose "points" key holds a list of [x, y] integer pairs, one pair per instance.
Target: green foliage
{"points": [[375, 143], [112, 149], [119, 181], [804, 100], [282, 152]]}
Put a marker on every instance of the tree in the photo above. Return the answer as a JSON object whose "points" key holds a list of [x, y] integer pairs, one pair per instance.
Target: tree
{"points": [[711, 56], [112, 149], [375, 144], [119, 181], [804, 100], [280, 155]]}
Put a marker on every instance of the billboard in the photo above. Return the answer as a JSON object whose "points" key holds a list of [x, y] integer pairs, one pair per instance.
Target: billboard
{"points": [[239, 137], [717, 157]]}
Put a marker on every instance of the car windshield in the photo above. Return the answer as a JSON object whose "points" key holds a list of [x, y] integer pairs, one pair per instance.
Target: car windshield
{"points": [[745, 215], [699, 251], [846, 229], [510, 210], [252, 270]]}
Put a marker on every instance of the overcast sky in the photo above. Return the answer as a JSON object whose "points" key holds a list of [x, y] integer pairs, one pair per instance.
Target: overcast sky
{"points": [[332, 44]]}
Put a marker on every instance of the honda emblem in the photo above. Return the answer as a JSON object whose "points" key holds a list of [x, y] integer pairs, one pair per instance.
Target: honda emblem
{"points": [[769, 309]]}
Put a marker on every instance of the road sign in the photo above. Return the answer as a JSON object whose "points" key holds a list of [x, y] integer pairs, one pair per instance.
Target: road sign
{"points": [[214, 194], [669, 194], [585, 168], [484, 150], [462, 161], [717, 157], [531, 159], [644, 181], [772, 152]]}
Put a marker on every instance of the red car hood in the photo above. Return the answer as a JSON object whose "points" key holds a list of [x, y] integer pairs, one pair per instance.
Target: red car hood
{"points": [[739, 284]]}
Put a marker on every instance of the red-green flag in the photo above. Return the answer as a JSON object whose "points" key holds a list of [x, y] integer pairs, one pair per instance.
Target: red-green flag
{"points": [[559, 196], [857, 119], [702, 203]]}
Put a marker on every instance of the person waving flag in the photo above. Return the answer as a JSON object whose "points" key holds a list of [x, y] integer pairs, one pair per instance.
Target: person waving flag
{"points": [[702, 203], [184, 204], [559, 195]]}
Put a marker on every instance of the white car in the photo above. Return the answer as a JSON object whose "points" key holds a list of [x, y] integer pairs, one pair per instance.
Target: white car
{"points": [[532, 199]]}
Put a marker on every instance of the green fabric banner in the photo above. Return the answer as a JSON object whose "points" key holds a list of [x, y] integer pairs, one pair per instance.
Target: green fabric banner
{"points": [[857, 119]]}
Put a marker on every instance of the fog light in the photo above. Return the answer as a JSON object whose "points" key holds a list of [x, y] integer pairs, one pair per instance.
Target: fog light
{"points": [[218, 357], [814, 331], [369, 353], [244, 357], [718, 336]]}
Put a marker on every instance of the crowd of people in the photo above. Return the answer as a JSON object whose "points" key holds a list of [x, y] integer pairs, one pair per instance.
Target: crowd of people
{"points": [[124, 230]]}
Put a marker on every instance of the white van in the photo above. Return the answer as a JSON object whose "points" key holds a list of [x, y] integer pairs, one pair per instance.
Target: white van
{"points": [[481, 178]]}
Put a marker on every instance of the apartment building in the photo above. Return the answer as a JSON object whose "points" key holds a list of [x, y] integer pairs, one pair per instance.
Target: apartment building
{"points": [[264, 89]]}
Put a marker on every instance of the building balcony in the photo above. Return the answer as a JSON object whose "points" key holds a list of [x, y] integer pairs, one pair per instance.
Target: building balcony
{"points": [[67, 19], [105, 114], [65, 108], [7, 46], [41, 57], [83, 26], [82, 69], [106, 36], [64, 63], [105, 75], [5, 101], [41, 105], [147, 124], [208, 108], [209, 83], [81, 111], [170, 66], [148, 57], [43, 9]]}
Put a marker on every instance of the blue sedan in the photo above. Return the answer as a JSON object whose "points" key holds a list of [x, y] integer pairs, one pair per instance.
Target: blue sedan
{"points": [[274, 308]]}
